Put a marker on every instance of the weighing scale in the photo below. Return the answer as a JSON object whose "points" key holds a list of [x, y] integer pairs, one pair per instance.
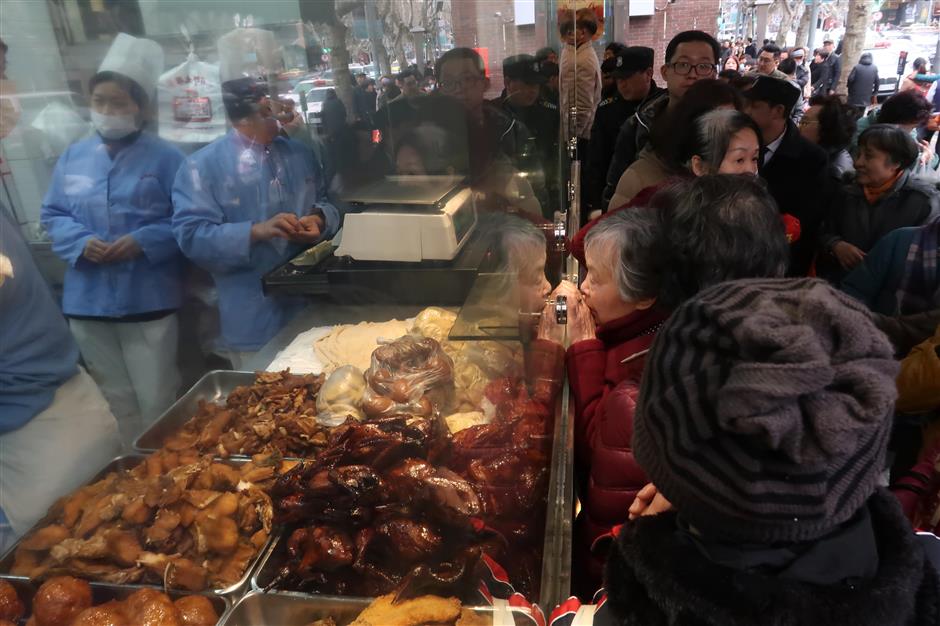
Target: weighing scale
{"points": [[406, 240]]}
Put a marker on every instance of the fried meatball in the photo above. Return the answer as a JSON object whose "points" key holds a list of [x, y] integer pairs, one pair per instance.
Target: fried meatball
{"points": [[197, 611], [149, 607], [110, 614], [59, 600], [11, 607]]}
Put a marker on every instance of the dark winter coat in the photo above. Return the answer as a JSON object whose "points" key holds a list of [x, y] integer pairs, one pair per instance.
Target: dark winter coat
{"points": [[632, 138], [821, 74], [863, 82], [604, 375], [655, 578], [797, 177], [912, 202]]}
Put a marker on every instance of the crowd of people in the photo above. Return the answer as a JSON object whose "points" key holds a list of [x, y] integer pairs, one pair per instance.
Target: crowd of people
{"points": [[760, 283]]}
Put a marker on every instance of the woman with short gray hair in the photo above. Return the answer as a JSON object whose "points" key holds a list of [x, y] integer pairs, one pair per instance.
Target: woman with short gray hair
{"points": [[612, 321]]}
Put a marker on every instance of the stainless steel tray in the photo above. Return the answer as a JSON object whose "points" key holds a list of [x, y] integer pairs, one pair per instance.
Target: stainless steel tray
{"points": [[214, 386], [126, 462], [103, 592], [270, 609]]}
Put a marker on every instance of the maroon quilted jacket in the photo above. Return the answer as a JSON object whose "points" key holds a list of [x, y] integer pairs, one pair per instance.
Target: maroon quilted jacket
{"points": [[604, 377]]}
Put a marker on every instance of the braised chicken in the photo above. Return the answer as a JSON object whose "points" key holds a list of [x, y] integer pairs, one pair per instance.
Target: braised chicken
{"points": [[277, 414], [192, 525]]}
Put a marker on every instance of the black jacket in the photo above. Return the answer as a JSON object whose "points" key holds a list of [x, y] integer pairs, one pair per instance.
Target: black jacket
{"points": [[656, 579], [751, 50], [863, 82], [797, 178], [835, 72], [912, 202], [821, 75], [541, 122], [611, 115], [632, 138]]}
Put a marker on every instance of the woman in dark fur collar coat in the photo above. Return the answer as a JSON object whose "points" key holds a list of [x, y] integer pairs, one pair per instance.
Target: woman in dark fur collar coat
{"points": [[763, 419]]}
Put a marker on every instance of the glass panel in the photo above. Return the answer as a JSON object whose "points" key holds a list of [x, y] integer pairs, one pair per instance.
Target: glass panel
{"points": [[217, 187]]}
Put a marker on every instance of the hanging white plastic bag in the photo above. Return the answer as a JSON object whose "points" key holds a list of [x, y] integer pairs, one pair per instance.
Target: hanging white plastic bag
{"points": [[189, 98]]}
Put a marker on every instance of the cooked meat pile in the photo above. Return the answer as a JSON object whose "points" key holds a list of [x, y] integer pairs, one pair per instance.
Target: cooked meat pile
{"points": [[67, 601], [277, 414], [182, 520]]}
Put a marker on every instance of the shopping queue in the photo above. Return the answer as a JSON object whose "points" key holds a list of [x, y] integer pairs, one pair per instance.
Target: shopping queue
{"points": [[761, 451]]}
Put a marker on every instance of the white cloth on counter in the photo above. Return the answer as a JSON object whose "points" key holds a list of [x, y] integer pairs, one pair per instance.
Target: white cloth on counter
{"points": [[299, 356]]}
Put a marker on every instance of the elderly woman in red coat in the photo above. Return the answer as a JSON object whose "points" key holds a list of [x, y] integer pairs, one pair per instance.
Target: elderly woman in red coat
{"points": [[613, 320]]}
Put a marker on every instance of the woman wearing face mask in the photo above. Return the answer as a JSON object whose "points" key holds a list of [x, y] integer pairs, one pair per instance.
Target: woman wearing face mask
{"points": [[107, 212]]}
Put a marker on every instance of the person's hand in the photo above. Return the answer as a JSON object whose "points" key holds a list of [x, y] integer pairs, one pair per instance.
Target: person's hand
{"points": [[124, 249], [95, 250], [580, 321], [649, 502], [848, 255], [926, 154], [310, 229], [282, 226]]}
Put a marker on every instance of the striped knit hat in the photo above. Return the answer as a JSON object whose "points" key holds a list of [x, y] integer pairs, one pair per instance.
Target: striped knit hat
{"points": [[765, 410]]}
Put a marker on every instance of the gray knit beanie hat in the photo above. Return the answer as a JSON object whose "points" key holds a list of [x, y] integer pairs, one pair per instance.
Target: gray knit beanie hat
{"points": [[765, 410]]}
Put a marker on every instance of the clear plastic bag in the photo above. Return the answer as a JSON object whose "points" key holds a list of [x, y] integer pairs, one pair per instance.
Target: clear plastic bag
{"points": [[341, 396], [410, 375]]}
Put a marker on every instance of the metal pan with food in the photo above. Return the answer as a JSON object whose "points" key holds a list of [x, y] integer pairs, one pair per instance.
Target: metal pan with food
{"points": [[259, 609], [240, 414], [178, 520], [68, 601]]}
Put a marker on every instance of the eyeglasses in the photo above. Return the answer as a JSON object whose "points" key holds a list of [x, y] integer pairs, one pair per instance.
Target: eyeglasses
{"points": [[701, 69], [807, 122], [459, 83]]}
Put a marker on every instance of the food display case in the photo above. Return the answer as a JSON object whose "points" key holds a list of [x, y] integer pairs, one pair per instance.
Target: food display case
{"points": [[404, 430]]}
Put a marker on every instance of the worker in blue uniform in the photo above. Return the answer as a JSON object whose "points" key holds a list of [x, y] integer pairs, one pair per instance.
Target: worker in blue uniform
{"points": [[56, 429], [244, 204], [107, 212]]}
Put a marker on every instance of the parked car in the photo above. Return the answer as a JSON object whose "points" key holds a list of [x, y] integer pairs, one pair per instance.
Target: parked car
{"points": [[308, 96], [885, 54]]}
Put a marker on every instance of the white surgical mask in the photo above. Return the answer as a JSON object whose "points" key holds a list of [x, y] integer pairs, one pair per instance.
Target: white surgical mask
{"points": [[114, 126]]}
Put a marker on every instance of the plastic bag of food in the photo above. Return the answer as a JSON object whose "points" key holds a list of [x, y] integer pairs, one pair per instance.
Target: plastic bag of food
{"points": [[408, 375], [341, 396], [189, 99]]}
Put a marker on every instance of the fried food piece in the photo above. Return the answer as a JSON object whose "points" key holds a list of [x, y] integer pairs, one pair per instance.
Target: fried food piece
{"points": [[123, 547], [149, 607], [110, 614], [45, 538], [4, 622], [11, 607], [196, 611], [59, 600], [326, 621], [415, 612]]}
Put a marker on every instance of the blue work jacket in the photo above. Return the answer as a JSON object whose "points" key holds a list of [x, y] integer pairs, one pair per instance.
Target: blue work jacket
{"points": [[223, 189], [93, 195]]}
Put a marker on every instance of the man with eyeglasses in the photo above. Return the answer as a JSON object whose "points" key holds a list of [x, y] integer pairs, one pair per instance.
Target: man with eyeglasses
{"points": [[691, 55], [796, 170], [494, 136]]}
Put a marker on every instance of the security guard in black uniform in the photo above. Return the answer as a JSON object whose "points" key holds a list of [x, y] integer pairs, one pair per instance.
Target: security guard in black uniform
{"points": [[632, 69], [523, 101]]}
